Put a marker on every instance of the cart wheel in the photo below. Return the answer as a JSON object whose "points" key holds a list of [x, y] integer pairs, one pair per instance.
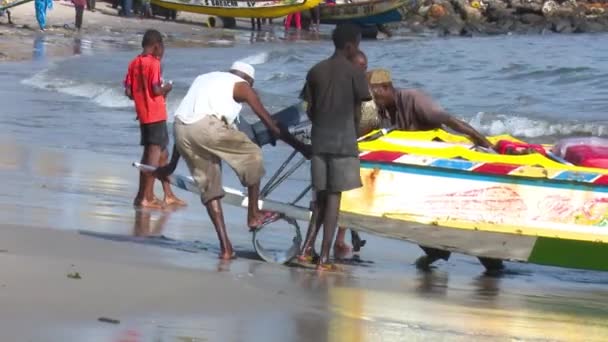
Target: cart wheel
{"points": [[273, 251]]}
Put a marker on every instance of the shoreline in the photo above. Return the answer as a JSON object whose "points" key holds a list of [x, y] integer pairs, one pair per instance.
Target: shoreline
{"points": [[424, 20], [21, 40]]}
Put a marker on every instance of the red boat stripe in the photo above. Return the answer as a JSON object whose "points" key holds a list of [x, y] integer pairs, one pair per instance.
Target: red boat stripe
{"points": [[601, 180], [381, 156], [495, 168]]}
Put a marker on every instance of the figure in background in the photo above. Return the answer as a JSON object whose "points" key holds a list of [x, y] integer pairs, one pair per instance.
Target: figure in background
{"points": [[79, 8], [298, 18], [42, 6]]}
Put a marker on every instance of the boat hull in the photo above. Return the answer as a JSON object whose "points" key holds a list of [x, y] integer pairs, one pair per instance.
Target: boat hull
{"points": [[6, 4], [368, 13], [484, 209], [239, 8]]}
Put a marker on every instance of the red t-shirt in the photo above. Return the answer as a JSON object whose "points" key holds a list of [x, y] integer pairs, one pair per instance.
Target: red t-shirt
{"points": [[144, 73]]}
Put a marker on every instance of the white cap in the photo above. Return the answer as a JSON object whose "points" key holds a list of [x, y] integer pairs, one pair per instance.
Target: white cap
{"points": [[243, 67]]}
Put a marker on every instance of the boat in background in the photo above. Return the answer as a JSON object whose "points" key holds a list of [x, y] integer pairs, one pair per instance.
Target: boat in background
{"points": [[239, 8], [6, 4], [364, 13]]}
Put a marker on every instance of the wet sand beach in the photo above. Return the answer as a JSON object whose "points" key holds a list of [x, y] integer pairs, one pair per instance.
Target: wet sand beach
{"points": [[67, 215], [73, 250]]}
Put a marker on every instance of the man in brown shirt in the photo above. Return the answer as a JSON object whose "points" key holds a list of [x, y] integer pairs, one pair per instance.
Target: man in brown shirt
{"points": [[413, 110]]}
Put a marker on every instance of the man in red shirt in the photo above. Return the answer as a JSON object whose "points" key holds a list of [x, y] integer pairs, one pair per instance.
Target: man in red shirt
{"points": [[144, 85]]}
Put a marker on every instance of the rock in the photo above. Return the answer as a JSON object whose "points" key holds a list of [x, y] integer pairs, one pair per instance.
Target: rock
{"points": [[495, 13], [531, 18], [437, 11], [595, 8], [108, 320], [74, 275], [527, 6], [562, 26], [450, 25], [589, 26], [467, 12]]}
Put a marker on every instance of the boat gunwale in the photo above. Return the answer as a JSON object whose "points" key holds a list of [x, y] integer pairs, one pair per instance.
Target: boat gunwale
{"points": [[518, 178]]}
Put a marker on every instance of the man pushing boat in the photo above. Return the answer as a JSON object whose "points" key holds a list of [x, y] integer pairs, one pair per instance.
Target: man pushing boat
{"points": [[205, 135], [413, 110]]}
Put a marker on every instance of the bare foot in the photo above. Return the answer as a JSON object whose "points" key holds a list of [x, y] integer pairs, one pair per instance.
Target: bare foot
{"points": [[308, 256], [342, 249], [263, 218], [328, 267], [153, 204], [174, 201], [227, 255]]}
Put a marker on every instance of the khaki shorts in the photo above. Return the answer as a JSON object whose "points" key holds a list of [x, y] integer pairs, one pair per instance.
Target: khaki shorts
{"points": [[205, 143], [334, 173]]}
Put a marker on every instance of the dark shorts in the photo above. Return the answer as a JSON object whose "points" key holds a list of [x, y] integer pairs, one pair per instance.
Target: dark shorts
{"points": [[335, 173], [155, 134]]}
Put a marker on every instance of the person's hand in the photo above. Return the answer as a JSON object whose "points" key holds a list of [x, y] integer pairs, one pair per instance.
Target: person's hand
{"points": [[167, 87], [306, 150]]}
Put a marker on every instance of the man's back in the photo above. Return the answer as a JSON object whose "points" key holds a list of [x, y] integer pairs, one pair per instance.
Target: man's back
{"points": [[210, 94], [334, 89], [416, 111]]}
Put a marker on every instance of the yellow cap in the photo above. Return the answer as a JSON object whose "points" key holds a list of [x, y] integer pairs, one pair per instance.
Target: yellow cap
{"points": [[380, 76]]}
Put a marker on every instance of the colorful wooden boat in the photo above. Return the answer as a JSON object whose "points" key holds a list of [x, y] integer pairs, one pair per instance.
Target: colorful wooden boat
{"points": [[374, 12], [239, 8], [6, 4], [442, 194]]}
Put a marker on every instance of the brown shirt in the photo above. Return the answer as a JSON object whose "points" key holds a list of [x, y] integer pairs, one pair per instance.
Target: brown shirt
{"points": [[415, 111], [334, 90]]}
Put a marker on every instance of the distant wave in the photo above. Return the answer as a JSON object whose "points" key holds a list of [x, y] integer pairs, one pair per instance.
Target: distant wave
{"points": [[494, 124], [258, 58]]}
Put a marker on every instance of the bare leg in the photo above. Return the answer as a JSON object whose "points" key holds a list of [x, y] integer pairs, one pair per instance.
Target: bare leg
{"points": [[253, 212], [255, 216], [330, 222], [170, 198], [216, 214], [341, 248], [145, 194], [313, 229]]}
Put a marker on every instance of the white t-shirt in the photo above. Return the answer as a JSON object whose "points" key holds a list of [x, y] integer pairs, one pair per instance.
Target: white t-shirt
{"points": [[210, 94]]}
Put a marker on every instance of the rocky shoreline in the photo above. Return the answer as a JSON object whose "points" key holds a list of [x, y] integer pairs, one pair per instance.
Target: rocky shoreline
{"points": [[488, 17]]}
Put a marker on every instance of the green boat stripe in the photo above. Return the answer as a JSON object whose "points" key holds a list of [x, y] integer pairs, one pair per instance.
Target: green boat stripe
{"points": [[570, 253]]}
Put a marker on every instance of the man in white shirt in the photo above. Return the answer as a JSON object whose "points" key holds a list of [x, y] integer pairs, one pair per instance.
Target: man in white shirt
{"points": [[205, 134]]}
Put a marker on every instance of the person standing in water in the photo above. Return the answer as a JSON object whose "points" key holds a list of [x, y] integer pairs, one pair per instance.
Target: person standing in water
{"points": [[368, 122], [297, 16], [205, 135], [42, 6], [143, 84], [334, 90], [79, 8]]}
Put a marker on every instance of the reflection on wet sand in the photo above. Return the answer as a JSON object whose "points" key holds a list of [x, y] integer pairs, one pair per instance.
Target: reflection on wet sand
{"points": [[143, 225]]}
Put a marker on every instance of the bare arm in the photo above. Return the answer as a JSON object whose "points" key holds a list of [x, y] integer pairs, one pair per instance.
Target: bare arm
{"points": [[162, 90], [466, 129], [244, 93], [129, 92]]}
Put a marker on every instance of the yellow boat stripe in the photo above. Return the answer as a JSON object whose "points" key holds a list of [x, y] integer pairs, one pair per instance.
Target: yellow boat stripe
{"points": [[557, 230]]}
